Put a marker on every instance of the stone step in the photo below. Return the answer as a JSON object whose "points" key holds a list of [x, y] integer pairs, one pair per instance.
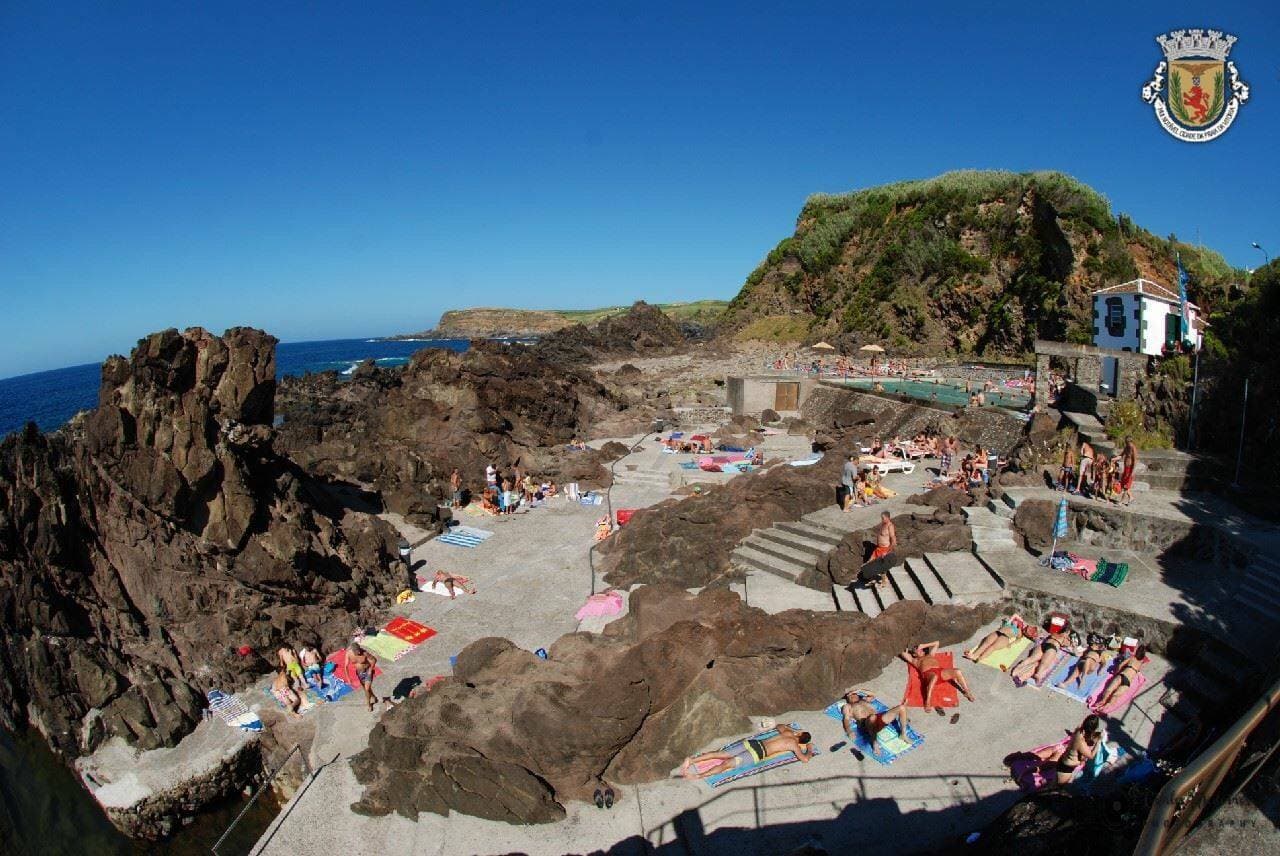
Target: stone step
{"points": [[965, 578], [812, 531], [926, 581], [867, 602], [845, 600], [1219, 665], [757, 561], [779, 551], [1260, 595], [803, 543], [1262, 581], [887, 595], [997, 545], [905, 585], [1263, 568], [1197, 683], [999, 508], [774, 594], [1261, 617], [976, 515]]}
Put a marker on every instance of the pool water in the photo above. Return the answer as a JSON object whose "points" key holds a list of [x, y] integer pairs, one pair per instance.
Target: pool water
{"points": [[944, 392]]}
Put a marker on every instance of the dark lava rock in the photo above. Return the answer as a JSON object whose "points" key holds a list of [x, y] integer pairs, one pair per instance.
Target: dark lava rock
{"points": [[402, 431], [946, 498], [643, 330], [144, 543], [918, 534], [1034, 520], [1052, 823], [513, 737], [687, 542]]}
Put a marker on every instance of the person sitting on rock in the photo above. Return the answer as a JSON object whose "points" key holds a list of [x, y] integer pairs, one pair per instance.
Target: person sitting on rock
{"points": [[1037, 665], [857, 709], [752, 750], [282, 689], [997, 640], [451, 582], [312, 666], [926, 661]]}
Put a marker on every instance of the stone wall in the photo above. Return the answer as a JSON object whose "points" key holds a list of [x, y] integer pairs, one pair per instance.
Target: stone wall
{"points": [[1177, 641]]}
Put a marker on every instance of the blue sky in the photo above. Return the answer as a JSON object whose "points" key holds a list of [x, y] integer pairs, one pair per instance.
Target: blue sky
{"points": [[324, 172]]}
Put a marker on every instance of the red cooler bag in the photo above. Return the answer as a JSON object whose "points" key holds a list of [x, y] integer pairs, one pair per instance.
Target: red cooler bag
{"points": [[623, 515]]}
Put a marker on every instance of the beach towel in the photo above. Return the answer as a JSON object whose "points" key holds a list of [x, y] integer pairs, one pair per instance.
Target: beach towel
{"points": [[1033, 773], [345, 671], [945, 693], [1057, 661], [767, 763], [310, 699], [893, 745], [385, 646], [605, 603], [1087, 687], [409, 630], [1111, 573], [688, 465], [428, 586], [1006, 657], [334, 689], [234, 712], [465, 536], [1139, 681]]}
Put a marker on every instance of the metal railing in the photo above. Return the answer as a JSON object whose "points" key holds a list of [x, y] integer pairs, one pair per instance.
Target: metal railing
{"points": [[266, 783], [1210, 780]]}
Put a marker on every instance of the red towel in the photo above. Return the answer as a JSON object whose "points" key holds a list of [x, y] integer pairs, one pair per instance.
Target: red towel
{"points": [[345, 670], [409, 630], [945, 693]]}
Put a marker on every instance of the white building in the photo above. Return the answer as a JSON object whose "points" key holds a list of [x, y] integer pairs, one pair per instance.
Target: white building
{"points": [[1143, 316]]}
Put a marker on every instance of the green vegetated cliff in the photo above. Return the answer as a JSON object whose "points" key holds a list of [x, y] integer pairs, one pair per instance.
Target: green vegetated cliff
{"points": [[969, 262]]}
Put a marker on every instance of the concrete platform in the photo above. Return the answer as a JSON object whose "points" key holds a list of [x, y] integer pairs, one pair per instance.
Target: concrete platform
{"points": [[953, 784]]}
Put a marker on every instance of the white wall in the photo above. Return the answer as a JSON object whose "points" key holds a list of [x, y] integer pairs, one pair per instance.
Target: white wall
{"points": [[1154, 312], [1102, 336], [1149, 341]]}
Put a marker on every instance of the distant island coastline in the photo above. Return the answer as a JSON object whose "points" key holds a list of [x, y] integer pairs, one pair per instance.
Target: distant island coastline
{"points": [[498, 323]]}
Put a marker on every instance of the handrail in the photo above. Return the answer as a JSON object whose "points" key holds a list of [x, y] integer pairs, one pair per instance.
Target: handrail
{"points": [[1184, 798], [306, 765], [608, 499]]}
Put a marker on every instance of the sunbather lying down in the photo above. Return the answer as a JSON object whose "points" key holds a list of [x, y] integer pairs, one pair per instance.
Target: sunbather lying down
{"points": [[452, 582], [748, 751], [925, 658], [1002, 637], [857, 710]]}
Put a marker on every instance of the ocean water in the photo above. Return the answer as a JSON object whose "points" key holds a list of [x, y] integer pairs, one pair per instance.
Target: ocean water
{"points": [[51, 398]]}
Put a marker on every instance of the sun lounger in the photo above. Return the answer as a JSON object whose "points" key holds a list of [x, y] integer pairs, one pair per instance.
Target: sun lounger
{"points": [[744, 770], [892, 744], [887, 465]]}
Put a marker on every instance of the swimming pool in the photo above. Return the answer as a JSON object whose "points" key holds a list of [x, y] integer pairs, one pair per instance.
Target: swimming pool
{"points": [[944, 392]]}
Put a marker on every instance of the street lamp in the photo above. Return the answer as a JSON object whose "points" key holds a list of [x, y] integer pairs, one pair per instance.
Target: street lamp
{"points": [[1258, 247]]}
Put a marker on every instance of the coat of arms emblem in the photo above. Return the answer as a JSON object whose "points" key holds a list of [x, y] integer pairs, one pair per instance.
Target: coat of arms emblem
{"points": [[1196, 91]]}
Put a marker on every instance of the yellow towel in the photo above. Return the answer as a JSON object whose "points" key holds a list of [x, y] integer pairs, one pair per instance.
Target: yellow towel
{"points": [[1006, 657]]}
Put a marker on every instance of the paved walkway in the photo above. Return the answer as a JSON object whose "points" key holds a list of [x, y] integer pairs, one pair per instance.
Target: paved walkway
{"points": [[532, 575]]}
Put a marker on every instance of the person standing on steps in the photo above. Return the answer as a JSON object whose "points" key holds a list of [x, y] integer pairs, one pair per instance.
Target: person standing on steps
{"points": [[1129, 459], [848, 482], [1086, 464]]}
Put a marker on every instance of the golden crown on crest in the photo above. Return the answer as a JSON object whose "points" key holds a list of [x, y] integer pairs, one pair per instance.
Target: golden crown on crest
{"points": [[1196, 43]]}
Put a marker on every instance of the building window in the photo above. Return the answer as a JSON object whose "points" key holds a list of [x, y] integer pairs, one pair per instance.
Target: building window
{"points": [[1137, 313], [1115, 316]]}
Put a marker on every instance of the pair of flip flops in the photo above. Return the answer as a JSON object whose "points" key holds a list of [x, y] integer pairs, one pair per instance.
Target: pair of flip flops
{"points": [[604, 797], [955, 717]]}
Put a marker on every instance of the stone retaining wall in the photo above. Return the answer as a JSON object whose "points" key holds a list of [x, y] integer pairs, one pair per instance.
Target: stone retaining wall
{"points": [[993, 427]]}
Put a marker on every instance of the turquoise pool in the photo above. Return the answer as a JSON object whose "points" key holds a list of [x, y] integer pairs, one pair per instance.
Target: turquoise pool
{"points": [[944, 392]]}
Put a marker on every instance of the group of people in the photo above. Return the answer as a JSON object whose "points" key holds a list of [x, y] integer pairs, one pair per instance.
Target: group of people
{"points": [[1091, 473], [861, 486], [505, 492], [302, 669]]}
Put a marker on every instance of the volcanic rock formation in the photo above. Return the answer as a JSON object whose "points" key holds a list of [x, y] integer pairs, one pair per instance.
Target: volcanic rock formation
{"points": [[512, 737], [144, 543], [687, 542], [641, 330], [401, 431]]}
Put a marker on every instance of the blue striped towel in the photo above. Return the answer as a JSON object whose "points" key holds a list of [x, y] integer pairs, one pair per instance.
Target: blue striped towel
{"points": [[767, 763], [465, 536], [1087, 686]]}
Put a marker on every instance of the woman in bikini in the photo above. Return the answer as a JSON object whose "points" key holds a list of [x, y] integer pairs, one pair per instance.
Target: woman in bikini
{"points": [[1090, 661], [999, 639], [1123, 678], [1037, 665], [1082, 747]]}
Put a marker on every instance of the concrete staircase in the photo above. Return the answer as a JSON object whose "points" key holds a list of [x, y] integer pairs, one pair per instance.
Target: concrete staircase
{"points": [[957, 577], [992, 527], [642, 478], [1256, 624], [786, 550]]}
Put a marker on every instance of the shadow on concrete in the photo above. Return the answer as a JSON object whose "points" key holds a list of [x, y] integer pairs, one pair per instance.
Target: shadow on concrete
{"points": [[265, 841]]}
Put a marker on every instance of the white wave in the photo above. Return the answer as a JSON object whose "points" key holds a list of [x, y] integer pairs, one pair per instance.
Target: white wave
{"points": [[351, 369]]}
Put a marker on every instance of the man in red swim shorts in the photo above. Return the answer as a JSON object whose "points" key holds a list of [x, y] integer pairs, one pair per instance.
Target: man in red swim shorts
{"points": [[1129, 459]]}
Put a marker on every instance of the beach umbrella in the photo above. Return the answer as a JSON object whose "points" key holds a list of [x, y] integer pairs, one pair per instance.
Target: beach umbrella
{"points": [[875, 349], [822, 346], [1059, 529]]}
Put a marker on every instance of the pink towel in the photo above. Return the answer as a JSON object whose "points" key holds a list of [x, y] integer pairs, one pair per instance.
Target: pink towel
{"points": [[606, 603], [1085, 568], [1121, 700]]}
